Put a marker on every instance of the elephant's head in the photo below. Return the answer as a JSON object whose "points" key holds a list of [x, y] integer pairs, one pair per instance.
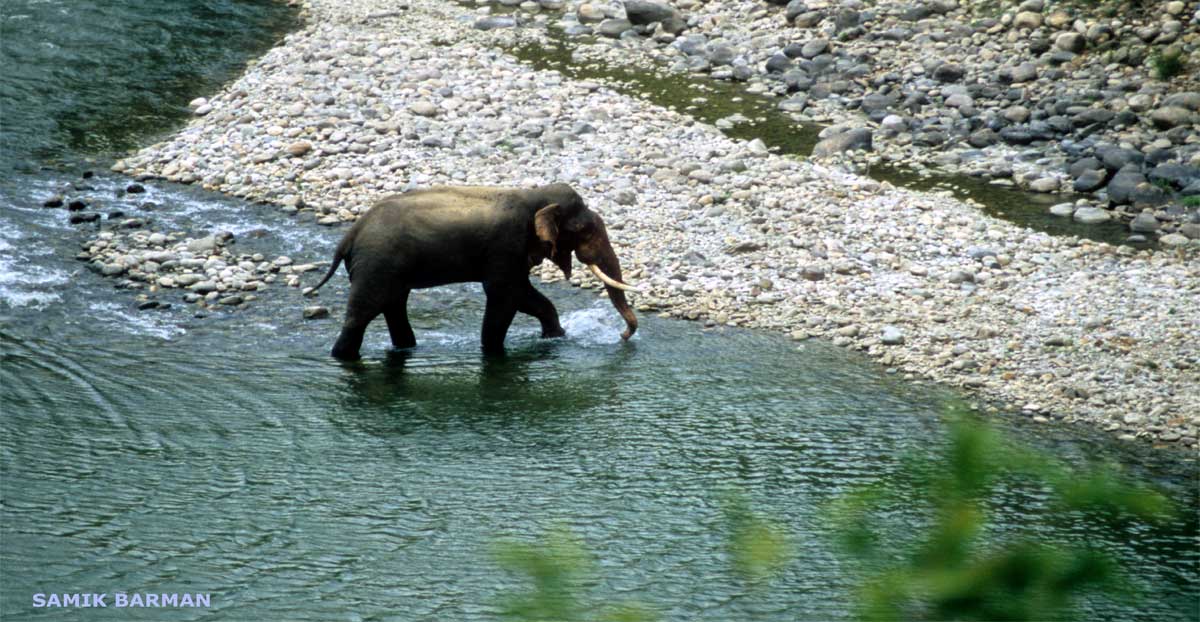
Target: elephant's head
{"points": [[563, 223]]}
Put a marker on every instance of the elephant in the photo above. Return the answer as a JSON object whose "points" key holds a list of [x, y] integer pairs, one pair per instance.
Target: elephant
{"points": [[457, 234]]}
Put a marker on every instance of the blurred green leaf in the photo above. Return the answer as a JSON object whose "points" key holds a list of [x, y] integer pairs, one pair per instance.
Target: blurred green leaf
{"points": [[949, 574]]}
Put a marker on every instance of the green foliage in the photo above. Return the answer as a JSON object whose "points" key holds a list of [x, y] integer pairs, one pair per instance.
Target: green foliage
{"points": [[1167, 64], [758, 546], [1191, 201], [946, 572], [561, 571]]}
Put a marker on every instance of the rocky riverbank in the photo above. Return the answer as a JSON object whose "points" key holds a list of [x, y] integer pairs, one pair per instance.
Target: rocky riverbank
{"points": [[1046, 96], [369, 100]]}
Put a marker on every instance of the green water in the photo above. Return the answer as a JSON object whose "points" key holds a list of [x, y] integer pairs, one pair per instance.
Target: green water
{"points": [[157, 451]]}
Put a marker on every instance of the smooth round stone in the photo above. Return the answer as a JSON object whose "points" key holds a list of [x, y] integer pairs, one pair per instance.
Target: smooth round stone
{"points": [[1065, 210], [1092, 215]]}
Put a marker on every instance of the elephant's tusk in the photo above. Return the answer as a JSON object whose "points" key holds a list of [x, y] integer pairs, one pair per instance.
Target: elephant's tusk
{"points": [[608, 280]]}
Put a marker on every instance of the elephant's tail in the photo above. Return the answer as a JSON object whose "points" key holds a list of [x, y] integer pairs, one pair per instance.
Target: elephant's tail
{"points": [[338, 255]]}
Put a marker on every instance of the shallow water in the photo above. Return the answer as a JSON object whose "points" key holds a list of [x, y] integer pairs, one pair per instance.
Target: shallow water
{"points": [[156, 451]]}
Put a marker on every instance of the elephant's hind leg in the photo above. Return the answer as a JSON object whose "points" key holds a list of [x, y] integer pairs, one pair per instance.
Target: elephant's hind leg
{"points": [[396, 315], [535, 304], [360, 310]]}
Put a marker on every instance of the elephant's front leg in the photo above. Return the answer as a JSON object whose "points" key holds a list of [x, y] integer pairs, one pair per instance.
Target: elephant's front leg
{"points": [[502, 302], [396, 315], [535, 304]]}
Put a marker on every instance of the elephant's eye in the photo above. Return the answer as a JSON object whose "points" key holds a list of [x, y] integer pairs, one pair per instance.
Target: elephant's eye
{"points": [[581, 226]]}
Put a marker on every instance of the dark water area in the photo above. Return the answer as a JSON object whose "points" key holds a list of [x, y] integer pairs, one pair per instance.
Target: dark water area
{"points": [[158, 451], [91, 78], [710, 100]]}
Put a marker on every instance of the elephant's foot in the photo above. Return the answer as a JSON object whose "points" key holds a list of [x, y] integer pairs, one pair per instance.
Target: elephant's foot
{"points": [[554, 332], [344, 355]]}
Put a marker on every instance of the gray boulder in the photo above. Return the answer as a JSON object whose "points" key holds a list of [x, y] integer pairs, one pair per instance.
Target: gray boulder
{"points": [[1122, 186], [1092, 215], [812, 49], [1116, 158], [641, 12], [1025, 72], [1144, 223], [1168, 117], [1078, 167], [796, 8], [850, 140], [948, 72], [613, 27], [1186, 99], [1174, 175], [1071, 42], [692, 45], [1089, 180]]}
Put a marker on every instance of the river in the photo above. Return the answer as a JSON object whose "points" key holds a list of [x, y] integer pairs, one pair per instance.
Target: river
{"points": [[228, 454]]}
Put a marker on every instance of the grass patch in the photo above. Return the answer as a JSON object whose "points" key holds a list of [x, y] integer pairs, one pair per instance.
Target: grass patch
{"points": [[1167, 64]]}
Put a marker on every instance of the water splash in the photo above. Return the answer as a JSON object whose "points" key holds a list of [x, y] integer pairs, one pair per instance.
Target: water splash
{"points": [[154, 325], [596, 326]]}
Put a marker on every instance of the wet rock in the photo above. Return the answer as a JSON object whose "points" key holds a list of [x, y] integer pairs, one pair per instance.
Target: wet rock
{"points": [[76, 205], [204, 287], [202, 245], [1173, 239], [1044, 184], [1092, 215], [613, 27], [1064, 210], [850, 140], [53, 201], [83, 217], [233, 300], [1144, 222], [135, 188], [1177, 176], [315, 312]]}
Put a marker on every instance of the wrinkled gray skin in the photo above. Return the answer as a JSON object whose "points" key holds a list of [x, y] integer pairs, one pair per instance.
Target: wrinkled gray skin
{"points": [[451, 234]]}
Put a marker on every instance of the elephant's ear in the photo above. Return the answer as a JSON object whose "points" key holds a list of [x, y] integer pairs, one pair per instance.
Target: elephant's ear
{"points": [[545, 224]]}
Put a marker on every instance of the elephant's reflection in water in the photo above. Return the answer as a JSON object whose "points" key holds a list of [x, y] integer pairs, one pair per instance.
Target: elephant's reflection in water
{"points": [[543, 385]]}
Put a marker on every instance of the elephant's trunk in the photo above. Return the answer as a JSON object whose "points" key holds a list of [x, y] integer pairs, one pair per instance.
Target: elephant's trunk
{"points": [[610, 274]]}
